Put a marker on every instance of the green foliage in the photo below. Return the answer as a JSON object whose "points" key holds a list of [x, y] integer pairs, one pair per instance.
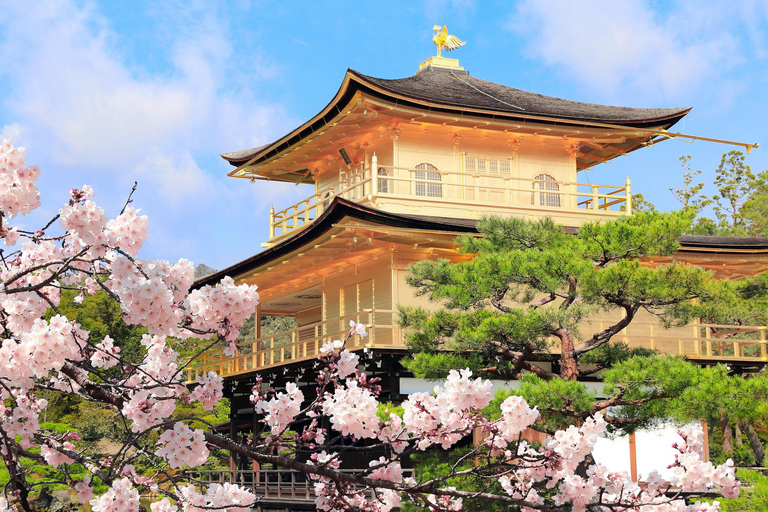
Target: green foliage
{"points": [[530, 282], [640, 204], [734, 181], [276, 324], [102, 316], [438, 463], [608, 355], [202, 270], [717, 393], [755, 208], [561, 402], [691, 195], [753, 496], [741, 301], [740, 205], [38, 472], [437, 365], [650, 388], [530, 292], [741, 455], [387, 408], [95, 421]]}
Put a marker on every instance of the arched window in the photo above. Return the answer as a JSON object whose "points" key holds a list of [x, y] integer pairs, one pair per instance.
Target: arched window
{"points": [[545, 190], [383, 182], [428, 172]]}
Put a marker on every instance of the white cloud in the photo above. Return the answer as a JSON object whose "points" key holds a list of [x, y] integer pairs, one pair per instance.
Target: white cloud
{"points": [[660, 54], [90, 114], [73, 88], [10, 131], [177, 178]]}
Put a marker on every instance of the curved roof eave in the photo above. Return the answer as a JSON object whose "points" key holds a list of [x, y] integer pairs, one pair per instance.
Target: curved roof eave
{"points": [[336, 211], [342, 208], [354, 82]]}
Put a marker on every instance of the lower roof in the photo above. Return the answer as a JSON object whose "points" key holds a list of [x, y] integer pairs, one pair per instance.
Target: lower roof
{"points": [[341, 208]]}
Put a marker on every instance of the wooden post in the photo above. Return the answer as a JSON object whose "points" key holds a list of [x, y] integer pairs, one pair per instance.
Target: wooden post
{"points": [[594, 197], [633, 456], [762, 344], [271, 222], [374, 174], [233, 436], [628, 195]]}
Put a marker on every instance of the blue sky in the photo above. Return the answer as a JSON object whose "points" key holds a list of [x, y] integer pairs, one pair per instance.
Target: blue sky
{"points": [[108, 93]]}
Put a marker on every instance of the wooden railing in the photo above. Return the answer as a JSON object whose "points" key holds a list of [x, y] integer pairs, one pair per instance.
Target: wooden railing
{"points": [[304, 212], [462, 188], [741, 342], [297, 344], [270, 485], [502, 189], [697, 341]]}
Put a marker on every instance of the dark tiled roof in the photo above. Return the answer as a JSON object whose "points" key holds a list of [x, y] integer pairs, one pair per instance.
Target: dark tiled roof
{"points": [[447, 87], [243, 154], [446, 221], [448, 91], [723, 242]]}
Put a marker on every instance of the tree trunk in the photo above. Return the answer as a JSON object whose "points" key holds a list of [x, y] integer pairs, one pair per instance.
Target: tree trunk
{"points": [[754, 442], [569, 368], [737, 437], [725, 425]]}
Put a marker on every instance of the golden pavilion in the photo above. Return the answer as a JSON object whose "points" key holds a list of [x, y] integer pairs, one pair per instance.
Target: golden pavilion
{"points": [[400, 167]]}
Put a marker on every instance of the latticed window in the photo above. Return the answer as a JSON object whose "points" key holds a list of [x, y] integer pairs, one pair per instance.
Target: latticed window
{"points": [[545, 191], [482, 165], [384, 187], [428, 172]]}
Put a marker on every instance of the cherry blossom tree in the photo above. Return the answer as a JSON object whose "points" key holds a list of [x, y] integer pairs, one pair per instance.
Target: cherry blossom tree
{"points": [[81, 248]]}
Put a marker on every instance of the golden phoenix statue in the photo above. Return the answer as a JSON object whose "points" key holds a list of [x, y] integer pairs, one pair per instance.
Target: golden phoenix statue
{"points": [[443, 40]]}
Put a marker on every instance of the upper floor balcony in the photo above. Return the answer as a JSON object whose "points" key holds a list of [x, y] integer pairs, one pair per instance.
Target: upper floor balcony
{"points": [[488, 188]]}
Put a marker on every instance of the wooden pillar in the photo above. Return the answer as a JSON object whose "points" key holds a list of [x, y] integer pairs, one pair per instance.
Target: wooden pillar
{"points": [[258, 321], [232, 434], [633, 457], [271, 222], [374, 174], [256, 466]]}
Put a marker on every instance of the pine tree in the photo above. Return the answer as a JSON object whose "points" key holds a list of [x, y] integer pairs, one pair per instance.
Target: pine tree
{"points": [[530, 291]]}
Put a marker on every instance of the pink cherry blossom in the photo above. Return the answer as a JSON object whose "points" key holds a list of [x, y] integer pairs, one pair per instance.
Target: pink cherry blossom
{"points": [[210, 390], [89, 252], [281, 410], [121, 497], [84, 490], [182, 446], [104, 355], [352, 410]]}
